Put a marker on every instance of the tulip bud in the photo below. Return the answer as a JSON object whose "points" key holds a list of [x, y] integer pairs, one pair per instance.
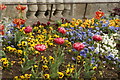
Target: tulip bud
{"points": [[40, 47], [59, 41], [78, 46], [97, 37], [28, 29], [62, 30]]}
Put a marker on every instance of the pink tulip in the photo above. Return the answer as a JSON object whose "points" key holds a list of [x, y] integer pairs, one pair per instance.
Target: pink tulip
{"points": [[59, 40], [62, 30], [28, 29], [78, 46], [97, 37], [40, 47]]}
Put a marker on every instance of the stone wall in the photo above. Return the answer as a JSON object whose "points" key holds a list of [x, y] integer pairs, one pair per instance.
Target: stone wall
{"points": [[60, 10]]}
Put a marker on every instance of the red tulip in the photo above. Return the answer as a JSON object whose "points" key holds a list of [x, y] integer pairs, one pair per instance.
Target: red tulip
{"points": [[59, 40], [28, 29], [62, 30], [97, 37], [20, 7], [40, 47], [1, 27], [2, 7], [78, 46], [1, 32]]}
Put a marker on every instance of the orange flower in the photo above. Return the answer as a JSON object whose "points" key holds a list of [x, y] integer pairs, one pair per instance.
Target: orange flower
{"points": [[18, 22], [99, 14], [2, 6], [20, 7]]}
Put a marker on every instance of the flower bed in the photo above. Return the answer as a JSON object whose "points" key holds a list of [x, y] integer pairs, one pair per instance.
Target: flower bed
{"points": [[64, 50]]}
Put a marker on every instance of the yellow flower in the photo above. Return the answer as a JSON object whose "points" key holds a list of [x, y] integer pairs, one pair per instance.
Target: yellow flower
{"points": [[50, 28], [73, 19], [51, 58], [37, 52], [24, 43], [92, 26], [94, 78], [35, 66], [13, 62], [27, 76], [41, 26], [61, 75], [3, 60], [72, 69], [68, 72], [44, 67], [16, 77], [50, 44], [46, 76], [5, 64], [79, 57], [19, 51], [70, 50], [20, 62], [22, 77], [94, 68]]}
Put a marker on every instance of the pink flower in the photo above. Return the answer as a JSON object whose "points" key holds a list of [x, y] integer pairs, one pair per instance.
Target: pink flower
{"points": [[78, 46], [62, 30], [59, 40], [28, 29], [97, 37], [40, 47]]}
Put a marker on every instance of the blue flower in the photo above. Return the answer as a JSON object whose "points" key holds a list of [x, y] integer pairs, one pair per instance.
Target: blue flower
{"points": [[74, 50], [73, 58], [90, 34], [89, 40], [97, 28], [95, 24], [86, 50], [92, 48], [101, 22], [83, 53], [104, 25]]}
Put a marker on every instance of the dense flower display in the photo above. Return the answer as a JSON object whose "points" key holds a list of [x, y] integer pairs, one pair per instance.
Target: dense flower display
{"points": [[85, 49]]}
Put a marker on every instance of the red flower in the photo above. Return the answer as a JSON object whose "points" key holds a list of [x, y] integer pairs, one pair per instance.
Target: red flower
{"points": [[1, 32], [99, 14], [59, 40], [97, 37], [28, 29], [40, 47], [78, 46], [18, 22], [2, 7], [62, 30], [1, 27], [20, 7]]}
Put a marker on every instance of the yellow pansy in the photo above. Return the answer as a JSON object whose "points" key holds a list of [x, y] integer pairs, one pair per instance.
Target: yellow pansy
{"points": [[61, 75], [46, 76]]}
